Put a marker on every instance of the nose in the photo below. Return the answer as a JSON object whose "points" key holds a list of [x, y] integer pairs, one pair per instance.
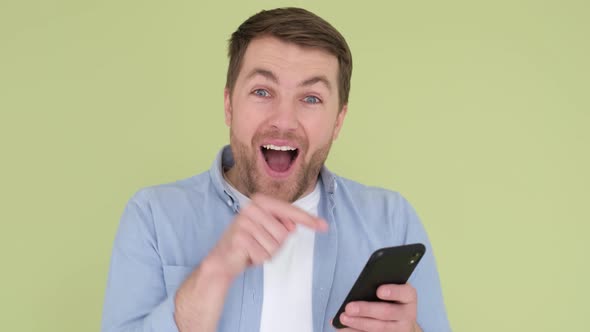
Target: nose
{"points": [[284, 117]]}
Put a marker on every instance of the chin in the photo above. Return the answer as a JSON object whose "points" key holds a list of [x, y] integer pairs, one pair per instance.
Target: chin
{"points": [[284, 189]]}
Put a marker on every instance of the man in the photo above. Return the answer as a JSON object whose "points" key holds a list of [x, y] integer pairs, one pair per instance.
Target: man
{"points": [[226, 250]]}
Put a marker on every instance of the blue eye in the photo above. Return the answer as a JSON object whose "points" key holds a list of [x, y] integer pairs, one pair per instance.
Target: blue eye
{"points": [[312, 100], [261, 93]]}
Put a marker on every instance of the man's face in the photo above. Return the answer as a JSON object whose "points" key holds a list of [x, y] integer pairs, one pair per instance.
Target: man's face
{"points": [[283, 115]]}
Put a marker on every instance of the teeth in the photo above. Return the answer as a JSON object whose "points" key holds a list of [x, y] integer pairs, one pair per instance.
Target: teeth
{"points": [[279, 148]]}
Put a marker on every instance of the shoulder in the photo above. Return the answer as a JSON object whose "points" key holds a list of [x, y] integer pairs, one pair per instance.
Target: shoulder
{"points": [[369, 196], [382, 210], [173, 193]]}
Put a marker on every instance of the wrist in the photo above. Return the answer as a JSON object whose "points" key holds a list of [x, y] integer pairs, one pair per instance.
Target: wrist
{"points": [[213, 268]]}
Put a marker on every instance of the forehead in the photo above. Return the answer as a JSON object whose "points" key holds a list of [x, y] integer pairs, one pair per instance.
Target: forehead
{"points": [[287, 60]]}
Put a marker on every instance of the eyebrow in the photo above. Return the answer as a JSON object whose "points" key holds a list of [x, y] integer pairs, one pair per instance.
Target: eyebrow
{"points": [[317, 79], [272, 77], [264, 73]]}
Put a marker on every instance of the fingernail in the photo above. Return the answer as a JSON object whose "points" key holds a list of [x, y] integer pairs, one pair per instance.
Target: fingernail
{"points": [[344, 318], [385, 292]]}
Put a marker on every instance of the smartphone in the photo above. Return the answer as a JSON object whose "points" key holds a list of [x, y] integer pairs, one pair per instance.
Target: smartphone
{"points": [[392, 265]]}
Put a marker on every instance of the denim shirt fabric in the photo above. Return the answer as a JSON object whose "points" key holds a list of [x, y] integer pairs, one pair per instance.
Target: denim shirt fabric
{"points": [[166, 230]]}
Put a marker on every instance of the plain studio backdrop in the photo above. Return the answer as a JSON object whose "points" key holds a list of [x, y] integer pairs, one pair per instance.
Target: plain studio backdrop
{"points": [[477, 111]]}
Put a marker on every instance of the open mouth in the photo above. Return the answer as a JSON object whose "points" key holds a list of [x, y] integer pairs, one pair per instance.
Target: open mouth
{"points": [[279, 159]]}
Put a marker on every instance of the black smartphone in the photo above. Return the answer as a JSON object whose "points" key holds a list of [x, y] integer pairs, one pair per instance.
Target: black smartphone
{"points": [[392, 265]]}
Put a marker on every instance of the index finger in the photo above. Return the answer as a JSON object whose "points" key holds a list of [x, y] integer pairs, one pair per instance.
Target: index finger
{"points": [[286, 211]]}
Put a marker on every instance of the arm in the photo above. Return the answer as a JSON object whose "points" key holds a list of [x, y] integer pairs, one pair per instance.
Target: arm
{"points": [[136, 297], [406, 307], [254, 236], [431, 312]]}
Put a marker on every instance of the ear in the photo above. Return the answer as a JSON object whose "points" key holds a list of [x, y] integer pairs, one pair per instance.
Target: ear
{"points": [[227, 106], [340, 121]]}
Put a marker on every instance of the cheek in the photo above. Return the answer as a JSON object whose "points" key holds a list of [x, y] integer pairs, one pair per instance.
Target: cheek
{"points": [[245, 123], [320, 132], [251, 117]]}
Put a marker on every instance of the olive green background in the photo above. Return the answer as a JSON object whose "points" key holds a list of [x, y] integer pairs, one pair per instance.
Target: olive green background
{"points": [[477, 111]]}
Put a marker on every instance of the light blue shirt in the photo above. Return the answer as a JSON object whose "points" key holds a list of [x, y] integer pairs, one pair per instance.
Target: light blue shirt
{"points": [[166, 230]]}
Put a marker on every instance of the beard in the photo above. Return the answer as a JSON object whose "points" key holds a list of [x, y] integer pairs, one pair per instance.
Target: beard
{"points": [[252, 180]]}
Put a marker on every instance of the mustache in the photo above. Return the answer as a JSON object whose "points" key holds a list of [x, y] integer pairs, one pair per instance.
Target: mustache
{"points": [[279, 135]]}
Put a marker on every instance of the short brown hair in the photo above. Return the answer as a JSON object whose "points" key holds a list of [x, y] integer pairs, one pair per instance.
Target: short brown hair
{"points": [[294, 25]]}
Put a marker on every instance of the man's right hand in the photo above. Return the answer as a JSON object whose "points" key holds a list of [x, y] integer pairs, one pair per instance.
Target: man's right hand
{"points": [[258, 231], [254, 236]]}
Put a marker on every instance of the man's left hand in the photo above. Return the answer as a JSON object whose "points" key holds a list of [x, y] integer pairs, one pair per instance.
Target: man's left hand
{"points": [[384, 316]]}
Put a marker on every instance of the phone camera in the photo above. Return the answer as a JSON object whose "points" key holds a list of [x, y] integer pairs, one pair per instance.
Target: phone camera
{"points": [[414, 258]]}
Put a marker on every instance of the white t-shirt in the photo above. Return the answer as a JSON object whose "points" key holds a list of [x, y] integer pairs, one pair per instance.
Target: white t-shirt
{"points": [[287, 295]]}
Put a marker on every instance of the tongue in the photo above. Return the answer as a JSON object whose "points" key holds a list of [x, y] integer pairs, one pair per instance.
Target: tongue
{"points": [[278, 161]]}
